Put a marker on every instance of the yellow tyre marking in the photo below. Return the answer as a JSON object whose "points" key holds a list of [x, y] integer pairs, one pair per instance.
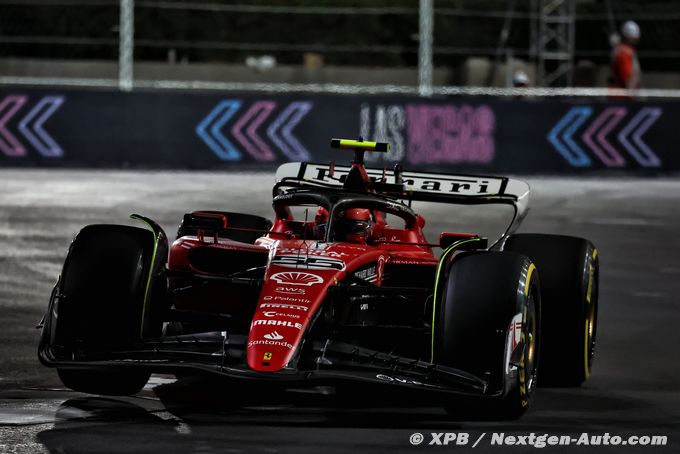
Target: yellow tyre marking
{"points": [[147, 290], [522, 376], [522, 371], [586, 349], [589, 289], [586, 334], [528, 281], [451, 248]]}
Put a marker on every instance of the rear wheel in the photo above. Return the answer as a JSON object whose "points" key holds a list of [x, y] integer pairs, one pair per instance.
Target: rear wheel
{"points": [[103, 287], [569, 292], [487, 322]]}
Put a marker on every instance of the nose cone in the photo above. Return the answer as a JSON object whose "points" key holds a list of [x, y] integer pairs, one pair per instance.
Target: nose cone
{"points": [[271, 343], [296, 284]]}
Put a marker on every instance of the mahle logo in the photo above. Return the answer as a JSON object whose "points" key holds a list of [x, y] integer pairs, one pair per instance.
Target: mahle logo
{"points": [[285, 323]]}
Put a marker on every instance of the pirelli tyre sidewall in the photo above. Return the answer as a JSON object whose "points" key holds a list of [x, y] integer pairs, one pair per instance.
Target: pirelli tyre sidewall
{"points": [[569, 289], [487, 323]]}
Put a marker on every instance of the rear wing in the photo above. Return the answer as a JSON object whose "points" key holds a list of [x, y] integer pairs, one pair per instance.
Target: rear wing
{"points": [[416, 186]]}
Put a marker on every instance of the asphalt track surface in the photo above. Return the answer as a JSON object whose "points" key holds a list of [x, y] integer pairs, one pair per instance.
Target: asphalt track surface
{"points": [[634, 389]]}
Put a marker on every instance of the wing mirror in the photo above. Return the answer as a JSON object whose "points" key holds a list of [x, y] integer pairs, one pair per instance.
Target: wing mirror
{"points": [[206, 220]]}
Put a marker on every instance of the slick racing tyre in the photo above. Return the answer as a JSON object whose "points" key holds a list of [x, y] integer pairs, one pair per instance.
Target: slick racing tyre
{"points": [[569, 294], [486, 322], [103, 286], [234, 220]]}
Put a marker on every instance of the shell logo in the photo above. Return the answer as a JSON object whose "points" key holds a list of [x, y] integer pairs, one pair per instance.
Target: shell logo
{"points": [[296, 278]]}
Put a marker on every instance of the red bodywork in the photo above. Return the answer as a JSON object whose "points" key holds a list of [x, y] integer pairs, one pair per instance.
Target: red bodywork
{"points": [[298, 275]]}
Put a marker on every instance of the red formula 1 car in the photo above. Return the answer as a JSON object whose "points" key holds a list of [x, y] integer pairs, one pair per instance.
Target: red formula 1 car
{"points": [[342, 287]]}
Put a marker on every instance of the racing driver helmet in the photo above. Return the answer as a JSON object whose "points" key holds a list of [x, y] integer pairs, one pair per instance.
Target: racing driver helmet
{"points": [[354, 226]]}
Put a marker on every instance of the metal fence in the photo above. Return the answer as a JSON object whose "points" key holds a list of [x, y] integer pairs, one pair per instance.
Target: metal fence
{"points": [[426, 28]]}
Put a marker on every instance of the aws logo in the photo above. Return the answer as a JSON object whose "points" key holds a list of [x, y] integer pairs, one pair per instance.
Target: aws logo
{"points": [[290, 290]]}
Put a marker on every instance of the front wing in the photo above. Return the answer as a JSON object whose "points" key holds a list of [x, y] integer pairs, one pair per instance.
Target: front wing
{"points": [[223, 354]]}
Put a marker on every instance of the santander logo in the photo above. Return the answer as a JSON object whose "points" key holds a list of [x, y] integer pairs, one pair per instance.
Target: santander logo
{"points": [[296, 278]]}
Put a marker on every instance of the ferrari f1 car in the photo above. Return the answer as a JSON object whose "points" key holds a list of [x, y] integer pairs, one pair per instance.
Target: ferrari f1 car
{"points": [[342, 287]]}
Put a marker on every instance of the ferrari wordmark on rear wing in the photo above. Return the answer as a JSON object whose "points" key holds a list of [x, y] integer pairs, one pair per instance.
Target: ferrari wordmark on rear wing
{"points": [[419, 186]]}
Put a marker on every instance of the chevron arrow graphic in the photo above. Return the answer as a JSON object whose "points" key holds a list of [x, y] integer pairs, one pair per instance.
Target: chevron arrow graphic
{"points": [[285, 123], [10, 145], [253, 143], [561, 136], [209, 130], [33, 130], [603, 125], [634, 130]]}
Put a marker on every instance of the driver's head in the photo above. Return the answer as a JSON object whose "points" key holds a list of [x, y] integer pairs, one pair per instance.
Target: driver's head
{"points": [[354, 225]]}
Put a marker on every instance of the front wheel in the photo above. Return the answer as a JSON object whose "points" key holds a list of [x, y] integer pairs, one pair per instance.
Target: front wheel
{"points": [[104, 285], [486, 322]]}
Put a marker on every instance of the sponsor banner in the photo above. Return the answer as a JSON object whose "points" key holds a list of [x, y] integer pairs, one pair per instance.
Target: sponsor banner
{"points": [[107, 128]]}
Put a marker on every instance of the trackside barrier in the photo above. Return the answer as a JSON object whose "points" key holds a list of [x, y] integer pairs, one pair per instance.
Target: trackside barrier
{"points": [[190, 130]]}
